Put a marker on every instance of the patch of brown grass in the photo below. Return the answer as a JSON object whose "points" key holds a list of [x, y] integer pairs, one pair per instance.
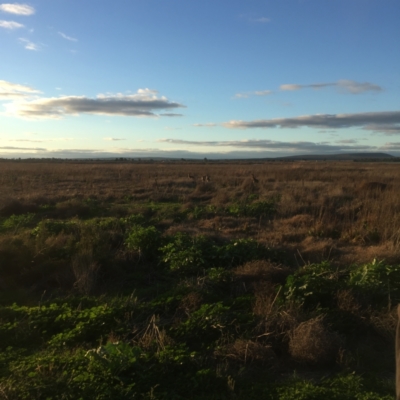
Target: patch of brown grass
{"points": [[248, 351], [262, 270], [191, 302], [312, 342]]}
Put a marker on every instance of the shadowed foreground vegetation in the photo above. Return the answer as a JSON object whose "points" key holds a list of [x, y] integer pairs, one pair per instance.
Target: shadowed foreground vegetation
{"points": [[131, 280]]}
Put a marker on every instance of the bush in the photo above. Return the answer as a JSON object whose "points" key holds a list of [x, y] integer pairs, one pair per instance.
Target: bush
{"points": [[189, 254], [376, 282], [265, 208], [51, 227], [18, 221], [144, 241], [313, 285], [240, 251]]}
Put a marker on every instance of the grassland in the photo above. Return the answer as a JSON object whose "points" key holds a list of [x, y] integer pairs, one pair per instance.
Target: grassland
{"points": [[123, 280]]}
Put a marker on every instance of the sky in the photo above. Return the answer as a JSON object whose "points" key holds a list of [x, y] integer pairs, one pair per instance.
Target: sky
{"points": [[196, 79]]}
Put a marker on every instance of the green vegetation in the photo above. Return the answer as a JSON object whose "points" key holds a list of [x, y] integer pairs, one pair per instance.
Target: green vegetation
{"points": [[172, 299]]}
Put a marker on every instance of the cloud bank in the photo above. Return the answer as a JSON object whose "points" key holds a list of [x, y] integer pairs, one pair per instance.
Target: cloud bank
{"points": [[144, 103], [343, 85], [379, 121], [15, 90], [17, 8], [271, 145], [272, 149]]}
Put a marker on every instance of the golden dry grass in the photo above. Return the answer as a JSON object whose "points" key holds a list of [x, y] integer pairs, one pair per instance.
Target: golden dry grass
{"points": [[342, 211]]}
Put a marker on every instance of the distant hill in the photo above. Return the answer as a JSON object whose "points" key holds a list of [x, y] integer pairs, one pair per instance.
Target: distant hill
{"points": [[343, 156]]}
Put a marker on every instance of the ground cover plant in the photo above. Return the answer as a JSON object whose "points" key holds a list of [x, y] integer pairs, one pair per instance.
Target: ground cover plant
{"points": [[131, 279]]}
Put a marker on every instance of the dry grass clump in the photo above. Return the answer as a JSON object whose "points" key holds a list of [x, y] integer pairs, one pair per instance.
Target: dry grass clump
{"points": [[346, 301], [262, 270], [299, 220], [152, 335], [221, 197], [265, 295], [248, 351], [312, 342], [191, 302], [249, 186], [85, 269], [262, 278], [384, 323], [373, 187]]}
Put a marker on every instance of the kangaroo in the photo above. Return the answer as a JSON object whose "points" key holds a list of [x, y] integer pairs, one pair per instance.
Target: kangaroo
{"points": [[255, 180]]}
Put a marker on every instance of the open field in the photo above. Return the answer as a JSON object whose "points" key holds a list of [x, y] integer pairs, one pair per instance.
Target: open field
{"points": [[274, 280]]}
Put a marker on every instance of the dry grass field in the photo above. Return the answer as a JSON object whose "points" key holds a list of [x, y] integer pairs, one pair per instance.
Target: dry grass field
{"points": [[344, 212], [243, 272]]}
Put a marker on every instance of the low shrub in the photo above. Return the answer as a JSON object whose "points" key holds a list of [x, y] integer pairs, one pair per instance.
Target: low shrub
{"points": [[314, 285], [18, 221], [189, 254], [376, 282], [144, 240]]}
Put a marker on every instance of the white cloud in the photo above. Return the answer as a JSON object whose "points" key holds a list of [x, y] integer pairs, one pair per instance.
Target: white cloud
{"points": [[263, 92], [22, 148], [71, 39], [343, 86], [207, 125], [145, 103], [10, 25], [263, 20], [170, 115], [17, 8], [29, 45], [27, 140], [111, 139], [337, 121], [347, 141], [255, 19], [300, 147], [245, 95], [15, 90], [242, 95], [291, 87], [357, 87]]}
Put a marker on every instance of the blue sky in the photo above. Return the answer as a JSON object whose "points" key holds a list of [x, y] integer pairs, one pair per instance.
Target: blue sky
{"points": [[216, 79]]}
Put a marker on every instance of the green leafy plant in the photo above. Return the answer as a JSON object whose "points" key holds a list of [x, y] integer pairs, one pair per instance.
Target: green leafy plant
{"points": [[18, 221], [257, 209], [144, 240], [240, 251], [314, 284], [51, 227], [188, 254], [377, 281]]}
